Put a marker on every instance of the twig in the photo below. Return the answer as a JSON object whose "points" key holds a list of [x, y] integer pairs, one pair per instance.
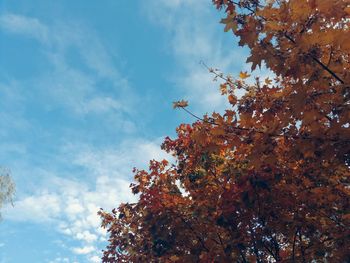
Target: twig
{"points": [[228, 80], [198, 118]]}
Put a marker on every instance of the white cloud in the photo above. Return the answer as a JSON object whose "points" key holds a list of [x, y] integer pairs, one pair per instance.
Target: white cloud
{"points": [[86, 236], [44, 206], [95, 259], [84, 250], [73, 208], [107, 162]]}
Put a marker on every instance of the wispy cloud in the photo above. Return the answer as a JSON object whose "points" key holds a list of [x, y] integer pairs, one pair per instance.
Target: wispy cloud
{"points": [[131, 153], [194, 38], [66, 83], [25, 26], [84, 250]]}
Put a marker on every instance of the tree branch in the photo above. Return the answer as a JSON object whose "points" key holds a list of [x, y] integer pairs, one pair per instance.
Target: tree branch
{"points": [[255, 249], [317, 61], [302, 250], [293, 249]]}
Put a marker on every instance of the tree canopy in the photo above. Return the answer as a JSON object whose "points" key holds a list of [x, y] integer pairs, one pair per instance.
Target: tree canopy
{"points": [[268, 180]]}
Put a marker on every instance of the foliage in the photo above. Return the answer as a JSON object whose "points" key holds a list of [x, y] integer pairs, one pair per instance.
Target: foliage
{"points": [[7, 188], [268, 180]]}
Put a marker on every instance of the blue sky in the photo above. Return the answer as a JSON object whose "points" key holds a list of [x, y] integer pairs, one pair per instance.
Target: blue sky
{"points": [[86, 93]]}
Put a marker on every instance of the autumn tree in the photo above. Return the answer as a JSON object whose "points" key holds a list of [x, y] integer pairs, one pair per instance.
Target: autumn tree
{"points": [[268, 180], [7, 188]]}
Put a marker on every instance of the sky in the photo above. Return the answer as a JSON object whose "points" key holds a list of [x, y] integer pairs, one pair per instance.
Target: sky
{"points": [[86, 92]]}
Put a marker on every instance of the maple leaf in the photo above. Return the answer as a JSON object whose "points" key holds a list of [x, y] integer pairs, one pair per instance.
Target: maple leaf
{"points": [[255, 59], [268, 81], [180, 104], [244, 75], [223, 89], [232, 99], [230, 23]]}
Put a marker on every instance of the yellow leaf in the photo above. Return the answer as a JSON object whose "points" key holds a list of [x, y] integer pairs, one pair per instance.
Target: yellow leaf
{"points": [[180, 104], [268, 81], [244, 75]]}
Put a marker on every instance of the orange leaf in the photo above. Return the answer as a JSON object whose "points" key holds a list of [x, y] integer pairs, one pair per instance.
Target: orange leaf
{"points": [[232, 99], [244, 75]]}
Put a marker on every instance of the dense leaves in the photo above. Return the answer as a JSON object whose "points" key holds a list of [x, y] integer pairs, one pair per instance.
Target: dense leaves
{"points": [[268, 180]]}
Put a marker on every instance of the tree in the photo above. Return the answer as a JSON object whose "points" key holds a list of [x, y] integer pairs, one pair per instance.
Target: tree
{"points": [[267, 181], [7, 188]]}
